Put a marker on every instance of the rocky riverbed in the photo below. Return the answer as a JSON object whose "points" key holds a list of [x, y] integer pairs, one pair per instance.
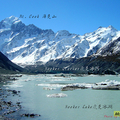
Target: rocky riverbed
{"points": [[10, 104]]}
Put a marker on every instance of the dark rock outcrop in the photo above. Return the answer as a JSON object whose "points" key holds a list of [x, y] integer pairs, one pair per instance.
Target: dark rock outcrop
{"points": [[6, 66]]}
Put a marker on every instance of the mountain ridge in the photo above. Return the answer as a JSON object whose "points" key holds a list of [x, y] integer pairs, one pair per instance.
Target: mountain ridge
{"points": [[6, 66], [28, 45]]}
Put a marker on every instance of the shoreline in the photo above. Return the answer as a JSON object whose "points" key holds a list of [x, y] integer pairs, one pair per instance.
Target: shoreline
{"points": [[7, 106], [10, 105]]}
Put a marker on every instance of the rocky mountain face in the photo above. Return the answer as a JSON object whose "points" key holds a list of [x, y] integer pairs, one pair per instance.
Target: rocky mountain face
{"points": [[30, 45], [113, 47]]}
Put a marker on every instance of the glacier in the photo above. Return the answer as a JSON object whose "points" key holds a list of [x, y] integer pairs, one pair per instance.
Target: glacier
{"points": [[28, 44]]}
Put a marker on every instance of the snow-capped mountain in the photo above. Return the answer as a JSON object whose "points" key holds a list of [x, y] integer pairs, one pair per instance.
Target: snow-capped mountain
{"points": [[29, 44]]}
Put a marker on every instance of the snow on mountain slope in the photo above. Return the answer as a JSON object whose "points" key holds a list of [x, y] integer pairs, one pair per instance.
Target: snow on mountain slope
{"points": [[99, 38], [30, 44], [91, 42], [113, 47]]}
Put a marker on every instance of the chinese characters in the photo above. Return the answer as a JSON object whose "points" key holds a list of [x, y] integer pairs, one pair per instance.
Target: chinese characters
{"points": [[49, 16]]}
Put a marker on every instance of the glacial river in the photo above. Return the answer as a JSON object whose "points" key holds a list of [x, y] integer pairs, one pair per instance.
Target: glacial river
{"points": [[80, 104]]}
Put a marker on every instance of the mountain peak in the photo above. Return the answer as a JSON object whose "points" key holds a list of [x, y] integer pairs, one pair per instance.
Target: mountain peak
{"points": [[12, 18], [62, 33], [9, 21], [109, 27], [112, 28], [101, 29]]}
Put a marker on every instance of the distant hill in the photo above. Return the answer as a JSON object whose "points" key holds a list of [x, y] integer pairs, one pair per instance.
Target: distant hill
{"points": [[101, 65], [6, 66]]}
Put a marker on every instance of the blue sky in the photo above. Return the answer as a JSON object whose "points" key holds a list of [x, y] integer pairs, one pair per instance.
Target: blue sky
{"points": [[76, 16]]}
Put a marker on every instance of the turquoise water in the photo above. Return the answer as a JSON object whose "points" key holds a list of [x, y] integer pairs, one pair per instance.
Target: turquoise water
{"points": [[80, 104]]}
